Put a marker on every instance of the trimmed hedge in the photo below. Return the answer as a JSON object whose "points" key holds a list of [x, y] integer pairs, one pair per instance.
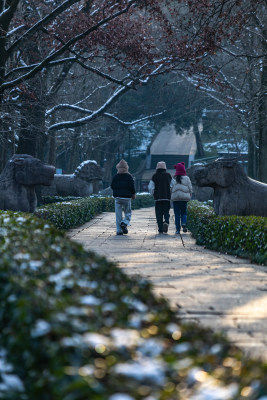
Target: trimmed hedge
{"points": [[241, 236], [57, 199], [69, 214], [75, 327]]}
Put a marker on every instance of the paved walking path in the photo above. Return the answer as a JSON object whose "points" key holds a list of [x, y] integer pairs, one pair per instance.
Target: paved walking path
{"points": [[219, 291]]}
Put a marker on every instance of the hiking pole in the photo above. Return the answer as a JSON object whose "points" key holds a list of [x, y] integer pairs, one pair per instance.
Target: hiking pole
{"points": [[182, 239]]}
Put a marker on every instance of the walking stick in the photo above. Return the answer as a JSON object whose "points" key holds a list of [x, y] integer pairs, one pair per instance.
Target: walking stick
{"points": [[182, 240]]}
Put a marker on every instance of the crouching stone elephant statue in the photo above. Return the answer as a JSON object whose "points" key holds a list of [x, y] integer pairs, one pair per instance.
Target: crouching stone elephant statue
{"points": [[81, 183], [234, 192], [18, 180]]}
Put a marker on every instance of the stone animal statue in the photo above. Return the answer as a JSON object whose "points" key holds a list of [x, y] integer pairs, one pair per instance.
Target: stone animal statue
{"points": [[81, 183], [199, 193], [18, 180], [106, 192], [234, 192]]}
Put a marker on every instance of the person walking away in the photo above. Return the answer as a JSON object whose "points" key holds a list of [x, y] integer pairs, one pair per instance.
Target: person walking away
{"points": [[181, 192], [159, 186], [123, 191]]}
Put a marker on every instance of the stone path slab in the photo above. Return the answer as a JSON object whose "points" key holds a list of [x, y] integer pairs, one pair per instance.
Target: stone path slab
{"points": [[225, 293]]}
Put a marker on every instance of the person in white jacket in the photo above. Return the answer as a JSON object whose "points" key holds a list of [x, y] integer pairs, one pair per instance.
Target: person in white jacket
{"points": [[181, 192]]}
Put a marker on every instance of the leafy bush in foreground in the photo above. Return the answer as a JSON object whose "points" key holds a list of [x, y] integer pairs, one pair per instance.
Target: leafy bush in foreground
{"points": [[241, 236], [75, 327], [68, 214]]}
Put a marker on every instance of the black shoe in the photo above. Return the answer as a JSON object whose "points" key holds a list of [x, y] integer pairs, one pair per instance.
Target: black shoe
{"points": [[124, 228], [165, 227], [160, 232], [184, 228], [119, 233]]}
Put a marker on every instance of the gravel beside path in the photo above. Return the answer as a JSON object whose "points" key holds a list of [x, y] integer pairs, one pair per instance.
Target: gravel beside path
{"points": [[217, 290]]}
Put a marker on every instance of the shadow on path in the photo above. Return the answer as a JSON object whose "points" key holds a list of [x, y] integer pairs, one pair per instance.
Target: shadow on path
{"points": [[222, 292]]}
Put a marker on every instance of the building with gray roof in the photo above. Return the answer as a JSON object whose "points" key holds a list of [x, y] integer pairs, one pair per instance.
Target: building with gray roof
{"points": [[168, 146]]}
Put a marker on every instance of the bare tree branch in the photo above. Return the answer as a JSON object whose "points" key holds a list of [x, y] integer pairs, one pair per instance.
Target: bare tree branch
{"points": [[100, 73], [49, 65], [112, 116], [129, 123], [102, 110], [7, 14], [82, 121], [50, 17], [242, 55], [65, 47]]}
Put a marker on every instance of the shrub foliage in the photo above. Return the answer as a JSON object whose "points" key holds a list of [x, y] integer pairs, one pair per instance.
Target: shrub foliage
{"points": [[241, 236], [75, 327], [69, 214]]}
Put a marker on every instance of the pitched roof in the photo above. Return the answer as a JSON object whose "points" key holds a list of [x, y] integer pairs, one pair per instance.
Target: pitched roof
{"points": [[168, 141]]}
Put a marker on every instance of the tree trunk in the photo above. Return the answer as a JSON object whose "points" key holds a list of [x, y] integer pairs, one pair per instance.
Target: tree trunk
{"points": [[263, 124], [32, 138], [27, 138], [52, 149], [252, 169], [109, 162], [7, 139], [3, 152], [200, 151], [74, 155]]}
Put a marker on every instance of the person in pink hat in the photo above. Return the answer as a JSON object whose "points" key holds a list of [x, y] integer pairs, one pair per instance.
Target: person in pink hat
{"points": [[159, 186], [181, 192]]}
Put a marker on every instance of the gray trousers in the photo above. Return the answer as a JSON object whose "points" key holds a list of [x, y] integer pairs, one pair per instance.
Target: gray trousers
{"points": [[120, 206]]}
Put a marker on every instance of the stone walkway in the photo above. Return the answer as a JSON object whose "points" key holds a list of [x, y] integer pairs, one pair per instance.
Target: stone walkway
{"points": [[220, 291]]}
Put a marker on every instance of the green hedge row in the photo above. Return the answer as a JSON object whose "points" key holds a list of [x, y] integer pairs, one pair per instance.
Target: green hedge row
{"points": [[68, 214], [57, 199], [75, 327], [241, 236]]}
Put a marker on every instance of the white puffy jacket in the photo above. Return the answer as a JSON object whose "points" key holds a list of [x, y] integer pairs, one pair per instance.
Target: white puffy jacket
{"points": [[181, 191]]}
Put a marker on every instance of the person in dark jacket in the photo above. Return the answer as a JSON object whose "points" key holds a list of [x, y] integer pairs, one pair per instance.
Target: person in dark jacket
{"points": [[159, 186], [123, 191]]}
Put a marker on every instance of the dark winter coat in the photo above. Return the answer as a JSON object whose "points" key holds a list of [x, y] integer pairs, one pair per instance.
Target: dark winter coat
{"points": [[123, 185], [162, 180]]}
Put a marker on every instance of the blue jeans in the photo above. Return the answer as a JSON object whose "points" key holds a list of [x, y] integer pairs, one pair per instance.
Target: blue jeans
{"points": [[120, 206], [179, 208]]}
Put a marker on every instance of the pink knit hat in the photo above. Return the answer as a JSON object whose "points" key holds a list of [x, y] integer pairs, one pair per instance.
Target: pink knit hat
{"points": [[122, 167], [161, 164], [180, 169]]}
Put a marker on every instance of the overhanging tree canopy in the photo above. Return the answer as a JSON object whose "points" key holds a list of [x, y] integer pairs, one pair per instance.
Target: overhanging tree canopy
{"points": [[125, 43]]}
